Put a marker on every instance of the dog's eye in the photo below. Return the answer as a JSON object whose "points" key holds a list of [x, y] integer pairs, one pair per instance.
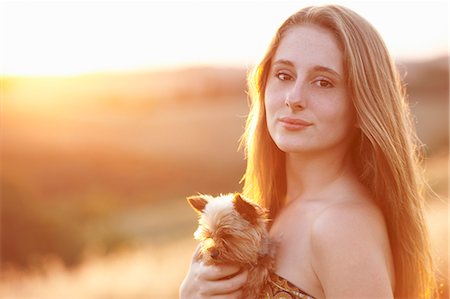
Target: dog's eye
{"points": [[222, 233], [224, 236]]}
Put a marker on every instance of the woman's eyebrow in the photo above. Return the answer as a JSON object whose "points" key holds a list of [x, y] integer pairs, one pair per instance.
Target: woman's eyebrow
{"points": [[317, 68], [284, 62], [320, 68]]}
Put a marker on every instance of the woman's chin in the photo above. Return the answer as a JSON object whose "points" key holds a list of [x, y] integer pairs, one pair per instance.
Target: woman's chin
{"points": [[293, 147]]}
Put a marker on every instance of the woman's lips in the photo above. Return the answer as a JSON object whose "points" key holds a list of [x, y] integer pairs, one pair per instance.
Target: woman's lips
{"points": [[293, 124]]}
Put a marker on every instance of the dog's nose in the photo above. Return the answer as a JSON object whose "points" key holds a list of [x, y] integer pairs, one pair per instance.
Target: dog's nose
{"points": [[214, 253]]}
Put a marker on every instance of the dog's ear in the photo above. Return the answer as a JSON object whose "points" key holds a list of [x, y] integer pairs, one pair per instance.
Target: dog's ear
{"points": [[197, 202], [245, 209]]}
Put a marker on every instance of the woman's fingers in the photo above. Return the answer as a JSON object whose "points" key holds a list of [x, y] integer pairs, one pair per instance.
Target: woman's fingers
{"points": [[197, 253], [226, 286], [218, 272], [212, 281], [234, 295]]}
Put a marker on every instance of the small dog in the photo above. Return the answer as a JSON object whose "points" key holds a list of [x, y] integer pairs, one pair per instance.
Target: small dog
{"points": [[232, 230]]}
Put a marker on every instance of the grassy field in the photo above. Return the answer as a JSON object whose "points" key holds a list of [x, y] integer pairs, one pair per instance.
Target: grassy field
{"points": [[155, 268], [95, 172]]}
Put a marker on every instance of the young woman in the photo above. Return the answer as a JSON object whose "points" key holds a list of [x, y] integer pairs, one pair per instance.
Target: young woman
{"points": [[332, 154]]}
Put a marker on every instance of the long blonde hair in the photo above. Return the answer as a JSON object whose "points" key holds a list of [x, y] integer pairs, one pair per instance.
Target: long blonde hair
{"points": [[386, 152]]}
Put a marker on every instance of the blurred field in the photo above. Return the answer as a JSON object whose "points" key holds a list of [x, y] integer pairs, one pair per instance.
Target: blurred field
{"points": [[95, 169]]}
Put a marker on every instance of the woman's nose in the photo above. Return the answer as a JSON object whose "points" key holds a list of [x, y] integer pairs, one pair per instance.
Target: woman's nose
{"points": [[295, 99]]}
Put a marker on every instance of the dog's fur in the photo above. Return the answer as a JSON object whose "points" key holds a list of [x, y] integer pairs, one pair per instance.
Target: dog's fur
{"points": [[232, 230]]}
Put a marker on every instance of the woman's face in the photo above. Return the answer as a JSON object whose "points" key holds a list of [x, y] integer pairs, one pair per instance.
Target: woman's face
{"points": [[307, 105]]}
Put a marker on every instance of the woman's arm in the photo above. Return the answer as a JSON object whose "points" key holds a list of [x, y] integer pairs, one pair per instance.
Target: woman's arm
{"points": [[351, 253], [212, 281]]}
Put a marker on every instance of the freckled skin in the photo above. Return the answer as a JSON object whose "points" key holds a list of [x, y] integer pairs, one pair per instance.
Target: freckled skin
{"points": [[307, 70]]}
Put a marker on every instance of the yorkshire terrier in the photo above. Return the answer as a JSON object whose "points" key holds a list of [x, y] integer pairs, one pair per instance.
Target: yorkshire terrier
{"points": [[233, 230]]}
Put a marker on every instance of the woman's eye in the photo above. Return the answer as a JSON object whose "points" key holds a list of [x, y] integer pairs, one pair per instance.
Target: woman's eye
{"points": [[323, 83], [283, 76]]}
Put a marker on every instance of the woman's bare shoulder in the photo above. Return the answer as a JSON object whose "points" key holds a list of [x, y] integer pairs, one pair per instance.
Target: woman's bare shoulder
{"points": [[347, 207], [349, 220], [350, 247]]}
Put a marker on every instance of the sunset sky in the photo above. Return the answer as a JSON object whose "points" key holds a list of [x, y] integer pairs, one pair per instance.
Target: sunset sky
{"points": [[75, 37]]}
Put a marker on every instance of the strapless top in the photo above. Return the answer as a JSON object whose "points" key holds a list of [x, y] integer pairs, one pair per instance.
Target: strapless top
{"points": [[279, 288]]}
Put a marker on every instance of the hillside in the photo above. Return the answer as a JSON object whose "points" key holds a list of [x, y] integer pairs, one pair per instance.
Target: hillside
{"points": [[100, 162]]}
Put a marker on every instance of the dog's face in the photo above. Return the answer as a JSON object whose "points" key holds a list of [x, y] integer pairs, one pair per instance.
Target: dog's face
{"points": [[230, 228]]}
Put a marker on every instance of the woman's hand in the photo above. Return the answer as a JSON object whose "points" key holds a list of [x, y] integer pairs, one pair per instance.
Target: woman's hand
{"points": [[212, 281]]}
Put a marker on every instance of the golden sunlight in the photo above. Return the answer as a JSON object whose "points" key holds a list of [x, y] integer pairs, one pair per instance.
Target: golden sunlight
{"points": [[112, 112], [67, 38]]}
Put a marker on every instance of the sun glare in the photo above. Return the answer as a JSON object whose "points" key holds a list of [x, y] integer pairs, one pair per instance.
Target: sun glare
{"points": [[66, 38]]}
